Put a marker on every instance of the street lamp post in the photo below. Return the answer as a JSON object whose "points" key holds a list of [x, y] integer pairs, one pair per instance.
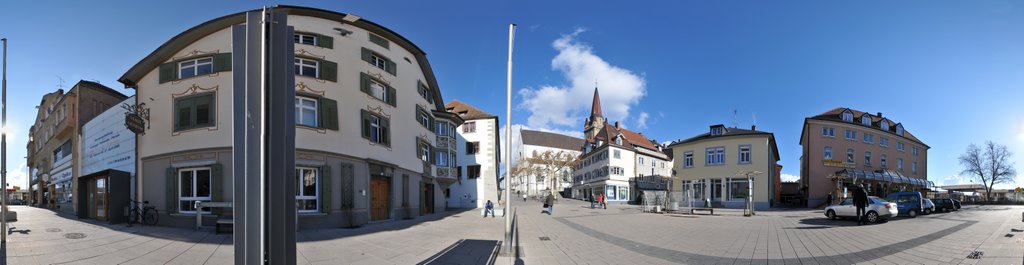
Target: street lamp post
{"points": [[3, 147]]}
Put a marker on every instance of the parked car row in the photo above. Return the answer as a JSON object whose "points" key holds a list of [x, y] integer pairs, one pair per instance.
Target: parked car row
{"points": [[910, 204]]}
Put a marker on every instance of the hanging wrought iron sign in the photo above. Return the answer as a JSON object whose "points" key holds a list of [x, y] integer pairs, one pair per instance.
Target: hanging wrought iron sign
{"points": [[136, 117]]}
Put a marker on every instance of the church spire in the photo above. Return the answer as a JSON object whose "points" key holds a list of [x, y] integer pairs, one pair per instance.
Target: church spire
{"points": [[595, 109]]}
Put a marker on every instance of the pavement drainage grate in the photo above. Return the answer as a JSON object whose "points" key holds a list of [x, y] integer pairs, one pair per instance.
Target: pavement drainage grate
{"points": [[544, 238], [54, 230], [74, 235], [976, 255]]}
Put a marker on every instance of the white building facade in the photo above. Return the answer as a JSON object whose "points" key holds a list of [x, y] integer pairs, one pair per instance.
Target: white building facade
{"points": [[535, 144], [478, 158]]}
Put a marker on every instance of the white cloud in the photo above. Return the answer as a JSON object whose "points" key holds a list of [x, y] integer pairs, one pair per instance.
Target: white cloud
{"points": [[567, 105], [789, 178], [18, 177], [954, 180], [641, 121]]}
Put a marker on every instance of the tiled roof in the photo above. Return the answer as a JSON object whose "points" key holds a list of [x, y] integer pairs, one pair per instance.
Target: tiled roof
{"points": [[548, 139], [876, 121], [466, 111], [727, 132], [609, 132]]}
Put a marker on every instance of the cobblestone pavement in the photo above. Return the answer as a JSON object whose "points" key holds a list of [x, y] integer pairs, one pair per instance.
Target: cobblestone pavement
{"points": [[574, 234]]}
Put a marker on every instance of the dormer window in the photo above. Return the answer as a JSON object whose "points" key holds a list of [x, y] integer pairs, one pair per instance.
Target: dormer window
{"points": [[847, 116], [866, 120], [618, 140], [899, 129], [885, 125], [717, 130]]}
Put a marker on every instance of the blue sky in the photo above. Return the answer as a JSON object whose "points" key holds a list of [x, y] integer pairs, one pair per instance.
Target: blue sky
{"points": [[951, 71]]}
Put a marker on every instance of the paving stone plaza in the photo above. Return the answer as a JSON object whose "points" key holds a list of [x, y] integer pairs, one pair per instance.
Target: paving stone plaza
{"points": [[574, 234]]}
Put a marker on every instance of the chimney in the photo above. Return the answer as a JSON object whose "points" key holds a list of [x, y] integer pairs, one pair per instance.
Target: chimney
{"points": [[753, 127], [616, 124], [879, 115]]}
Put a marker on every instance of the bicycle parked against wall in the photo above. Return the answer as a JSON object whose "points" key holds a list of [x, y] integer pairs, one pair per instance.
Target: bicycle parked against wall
{"points": [[142, 213]]}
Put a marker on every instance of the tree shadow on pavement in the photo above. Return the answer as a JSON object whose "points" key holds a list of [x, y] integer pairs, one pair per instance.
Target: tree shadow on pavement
{"points": [[823, 223]]}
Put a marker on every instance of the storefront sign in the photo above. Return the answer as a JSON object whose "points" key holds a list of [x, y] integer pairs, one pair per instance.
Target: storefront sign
{"points": [[134, 123], [60, 175], [107, 144], [837, 163]]}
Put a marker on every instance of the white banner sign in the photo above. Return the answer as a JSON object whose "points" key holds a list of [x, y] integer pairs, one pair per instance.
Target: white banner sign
{"points": [[107, 143]]}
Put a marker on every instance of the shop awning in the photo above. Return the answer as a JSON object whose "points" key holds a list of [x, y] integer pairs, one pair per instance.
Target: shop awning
{"points": [[884, 176]]}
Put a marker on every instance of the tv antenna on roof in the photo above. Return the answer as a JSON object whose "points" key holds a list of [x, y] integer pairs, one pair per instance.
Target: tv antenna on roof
{"points": [[734, 125], [60, 82], [755, 118]]}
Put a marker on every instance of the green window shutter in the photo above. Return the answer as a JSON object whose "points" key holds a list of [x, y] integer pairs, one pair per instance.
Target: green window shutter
{"points": [[168, 72], [392, 96], [391, 68], [431, 156], [379, 41], [366, 55], [325, 188], [328, 114], [385, 131], [171, 191], [347, 186], [364, 83], [325, 41], [366, 123], [329, 71], [216, 185], [221, 62]]}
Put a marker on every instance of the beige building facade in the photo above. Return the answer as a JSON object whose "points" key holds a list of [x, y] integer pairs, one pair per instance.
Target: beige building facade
{"points": [[844, 147], [373, 140], [715, 166]]}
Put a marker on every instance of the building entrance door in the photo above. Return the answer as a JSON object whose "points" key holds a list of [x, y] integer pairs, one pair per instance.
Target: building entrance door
{"points": [[428, 199], [380, 191], [101, 198]]}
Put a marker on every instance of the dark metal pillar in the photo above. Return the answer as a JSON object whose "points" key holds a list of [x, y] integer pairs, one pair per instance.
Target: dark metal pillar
{"points": [[264, 139]]}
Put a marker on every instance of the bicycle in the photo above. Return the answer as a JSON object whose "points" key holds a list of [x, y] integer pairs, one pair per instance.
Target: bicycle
{"points": [[145, 215]]}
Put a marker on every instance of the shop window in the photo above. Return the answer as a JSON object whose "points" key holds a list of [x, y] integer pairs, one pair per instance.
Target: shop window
{"points": [[194, 185], [306, 187]]}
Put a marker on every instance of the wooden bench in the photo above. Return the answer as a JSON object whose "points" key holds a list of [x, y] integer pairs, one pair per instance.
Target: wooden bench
{"points": [[223, 220], [710, 210]]}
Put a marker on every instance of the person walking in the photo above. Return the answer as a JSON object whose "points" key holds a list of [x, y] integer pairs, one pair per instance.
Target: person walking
{"points": [[550, 203], [524, 197], [592, 199], [603, 200], [860, 200], [489, 208], [829, 199]]}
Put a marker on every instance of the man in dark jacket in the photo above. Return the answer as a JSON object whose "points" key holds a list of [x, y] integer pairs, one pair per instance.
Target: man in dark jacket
{"points": [[550, 202], [860, 200]]}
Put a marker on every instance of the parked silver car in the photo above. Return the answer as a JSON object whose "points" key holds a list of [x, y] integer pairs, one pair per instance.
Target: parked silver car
{"points": [[878, 210], [929, 206]]}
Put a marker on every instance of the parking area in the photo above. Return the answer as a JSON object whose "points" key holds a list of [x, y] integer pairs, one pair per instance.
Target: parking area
{"points": [[574, 234]]}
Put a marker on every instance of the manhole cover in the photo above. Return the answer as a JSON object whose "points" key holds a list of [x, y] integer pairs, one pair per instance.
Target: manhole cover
{"points": [[74, 235], [53, 230], [544, 238], [976, 255]]}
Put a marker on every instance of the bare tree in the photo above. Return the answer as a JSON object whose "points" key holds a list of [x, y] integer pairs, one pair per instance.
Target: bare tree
{"points": [[991, 166], [550, 167]]}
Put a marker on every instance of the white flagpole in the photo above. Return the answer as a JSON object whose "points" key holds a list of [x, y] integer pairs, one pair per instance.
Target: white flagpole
{"points": [[508, 143]]}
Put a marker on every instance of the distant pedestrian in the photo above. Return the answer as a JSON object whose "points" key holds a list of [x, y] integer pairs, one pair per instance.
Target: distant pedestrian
{"points": [[549, 202], [860, 200], [489, 208], [524, 197], [829, 199], [603, 200], [592, 199]]}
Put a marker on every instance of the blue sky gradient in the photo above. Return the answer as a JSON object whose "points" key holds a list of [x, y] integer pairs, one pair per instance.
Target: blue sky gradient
{"points": [[950, 71]]}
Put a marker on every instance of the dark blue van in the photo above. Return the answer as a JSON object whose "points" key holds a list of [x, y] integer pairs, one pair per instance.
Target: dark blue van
{"points": [[909, 203]]}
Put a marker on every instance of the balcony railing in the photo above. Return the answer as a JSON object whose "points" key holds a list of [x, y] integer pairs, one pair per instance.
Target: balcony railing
{"points": [[445, 172], [445, 142]]}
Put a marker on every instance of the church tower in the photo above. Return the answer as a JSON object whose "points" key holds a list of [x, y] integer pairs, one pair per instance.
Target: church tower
{"points": [[596, 120]]}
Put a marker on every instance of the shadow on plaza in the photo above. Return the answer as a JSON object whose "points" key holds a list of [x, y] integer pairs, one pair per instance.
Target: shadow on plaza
{"points": [[825, 223], [476, 251]]}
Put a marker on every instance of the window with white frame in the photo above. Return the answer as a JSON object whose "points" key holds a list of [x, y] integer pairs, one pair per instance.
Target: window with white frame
{"points": [[688, 160], [376, 134], [305, 111], [849, 155], [302, 38], [828, 153], [715, 156], [618, 140], [882, 160], [306, 67], [379, 90], [900, 146], [869, 138], [641, 159], [913, 167], [848, 116], [194, 67], [885, 125], [883, 142], [899, 129], [193, 186], [828, 132], [851, 135], [306, 187], [899, 164], [913, 150], [744, 154], [379, 62], [469, 127], [424, 152], [865, 120], [716, 130], [617, 154], [867, 158]]}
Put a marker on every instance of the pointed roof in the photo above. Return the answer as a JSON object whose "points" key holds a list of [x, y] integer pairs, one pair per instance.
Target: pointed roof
{"points": [[595, 109], [467, 111]]}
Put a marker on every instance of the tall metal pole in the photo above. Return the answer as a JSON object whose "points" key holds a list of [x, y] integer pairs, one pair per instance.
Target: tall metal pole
{"points": [[508, 142], [3, 147]]}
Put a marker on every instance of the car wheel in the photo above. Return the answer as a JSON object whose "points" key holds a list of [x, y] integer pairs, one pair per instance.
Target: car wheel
{"points": [[830, 214], [912, 213], [872, 217], [927, 211]]}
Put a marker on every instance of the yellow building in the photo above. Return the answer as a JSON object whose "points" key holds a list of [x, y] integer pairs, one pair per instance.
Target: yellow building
{"points": [[715, 166]]}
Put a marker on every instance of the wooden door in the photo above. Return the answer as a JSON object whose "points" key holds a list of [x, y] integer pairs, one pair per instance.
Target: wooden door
{"points": [[380, 191], [427, 199]]}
